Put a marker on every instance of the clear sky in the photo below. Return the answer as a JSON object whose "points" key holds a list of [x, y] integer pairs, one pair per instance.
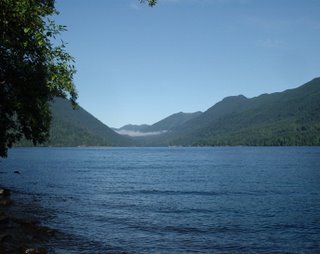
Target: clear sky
{"points": [[137, 64]]}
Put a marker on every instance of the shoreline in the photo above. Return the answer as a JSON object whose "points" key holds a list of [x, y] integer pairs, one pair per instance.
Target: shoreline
{"points": [[20, 235]]}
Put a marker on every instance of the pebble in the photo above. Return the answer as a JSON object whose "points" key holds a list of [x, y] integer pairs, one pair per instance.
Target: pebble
{"points": [[4, 192], [36, 251]]}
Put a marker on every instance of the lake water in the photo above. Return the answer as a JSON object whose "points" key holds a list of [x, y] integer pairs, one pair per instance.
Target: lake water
{"points": [[171, 200]]}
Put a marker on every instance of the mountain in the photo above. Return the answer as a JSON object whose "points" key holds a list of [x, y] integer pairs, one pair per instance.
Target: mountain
{"points": [[133, 127], [79, 128], [132, 130], [167, 124], [172, 122], [291, 117]]}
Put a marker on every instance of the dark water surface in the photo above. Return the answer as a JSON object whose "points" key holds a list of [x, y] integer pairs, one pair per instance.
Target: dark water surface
{"points": [[171, 200]]}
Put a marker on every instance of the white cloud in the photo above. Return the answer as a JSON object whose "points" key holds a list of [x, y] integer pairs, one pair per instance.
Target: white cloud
{"points": [[138, 133]]}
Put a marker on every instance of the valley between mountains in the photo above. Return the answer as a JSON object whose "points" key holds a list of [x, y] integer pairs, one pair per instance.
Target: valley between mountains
{"points": [[288, 118]]}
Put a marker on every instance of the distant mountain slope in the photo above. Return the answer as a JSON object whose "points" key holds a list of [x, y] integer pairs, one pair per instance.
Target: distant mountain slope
{"points": [[172, 121], [291, 117], [167, 124], [134, 130], [132, 127], [79, 128]]}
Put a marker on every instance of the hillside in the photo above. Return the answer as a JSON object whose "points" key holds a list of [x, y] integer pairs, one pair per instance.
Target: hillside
{"points": [[167, 124], [291, 117], [132, 130], [79, 128], [172, 122], [133, 127]]}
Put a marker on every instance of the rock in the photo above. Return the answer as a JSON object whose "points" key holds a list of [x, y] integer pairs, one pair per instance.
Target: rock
{"points": [[25, 222], [30, 251], [20, 235], [4, 192], [32, 226], [36, 251], [5, 202], [17, 172]]}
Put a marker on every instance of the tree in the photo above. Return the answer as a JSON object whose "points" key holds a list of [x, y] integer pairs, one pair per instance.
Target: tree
{"points": [[34, 69], [150, 2]]}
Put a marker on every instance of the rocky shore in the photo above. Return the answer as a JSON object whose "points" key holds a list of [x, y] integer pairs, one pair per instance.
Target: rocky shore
{"points": [[20, 235]]}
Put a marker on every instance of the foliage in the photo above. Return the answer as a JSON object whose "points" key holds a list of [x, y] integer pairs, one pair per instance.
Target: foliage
{"points": [[34, 69], [150, 2]]}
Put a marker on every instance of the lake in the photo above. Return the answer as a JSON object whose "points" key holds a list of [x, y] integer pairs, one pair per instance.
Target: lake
{"points": [[171, 200]]}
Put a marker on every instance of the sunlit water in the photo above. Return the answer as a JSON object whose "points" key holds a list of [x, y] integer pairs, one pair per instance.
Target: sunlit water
{"points": [[171, 200]]}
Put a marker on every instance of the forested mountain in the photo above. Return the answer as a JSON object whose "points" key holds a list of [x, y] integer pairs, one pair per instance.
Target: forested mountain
{"points": [[79, 128], [172, 122], [291, 117], [133, 127], [167, 124]]}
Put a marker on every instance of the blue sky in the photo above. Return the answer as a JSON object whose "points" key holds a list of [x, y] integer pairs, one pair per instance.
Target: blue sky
{"points": [[137, 64]]}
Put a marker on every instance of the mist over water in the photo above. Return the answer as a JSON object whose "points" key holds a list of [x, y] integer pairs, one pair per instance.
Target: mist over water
{"points": [[171, 200]]}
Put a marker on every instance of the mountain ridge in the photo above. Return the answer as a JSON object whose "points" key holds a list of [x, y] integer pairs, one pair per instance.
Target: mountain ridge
{"points": [[160, 127], [273, 113], [77, 127], [290, 117]]}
